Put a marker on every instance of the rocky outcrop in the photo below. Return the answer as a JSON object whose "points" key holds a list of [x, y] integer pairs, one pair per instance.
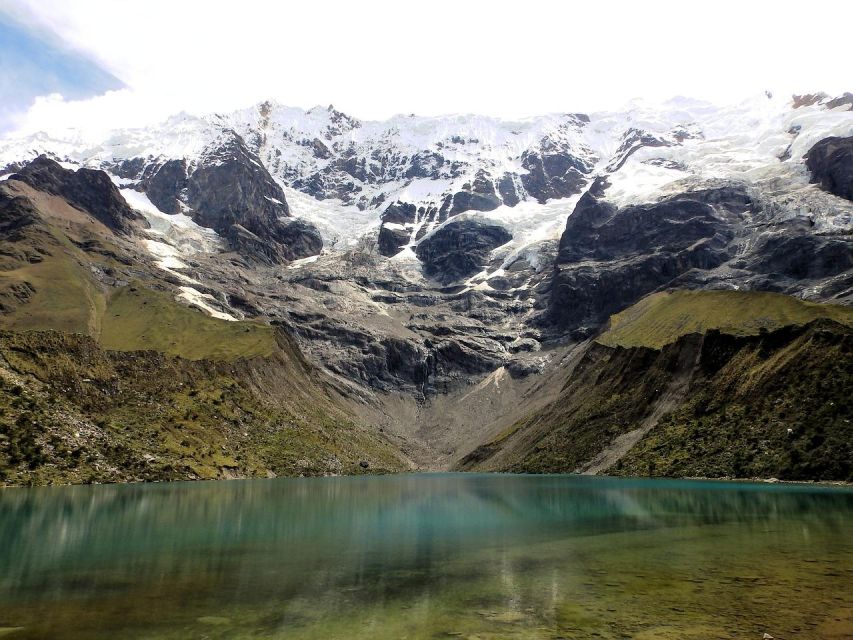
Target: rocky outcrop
{"points": [[831, 164], [460, 248], [610, 257], [90, 190], [507, 190], [232, 193], [17, 215], [230, 186], [394, 233], [801, 257], [478, 195], [165, 186], [392, 239], [553, 172], [400, 213]]}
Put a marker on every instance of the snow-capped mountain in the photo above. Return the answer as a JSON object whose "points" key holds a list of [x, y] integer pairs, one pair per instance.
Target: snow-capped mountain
{"points": [[418, 258], [411, 174]]}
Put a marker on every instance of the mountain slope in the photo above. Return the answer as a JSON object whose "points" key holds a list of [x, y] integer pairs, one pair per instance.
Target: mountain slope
{"points": [[444, 277], [715, 403], [73, 412], [664, 317], [106, 375]]}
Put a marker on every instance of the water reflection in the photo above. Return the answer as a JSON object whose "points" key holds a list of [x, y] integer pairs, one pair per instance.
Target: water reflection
{"points": [[401, 552]]}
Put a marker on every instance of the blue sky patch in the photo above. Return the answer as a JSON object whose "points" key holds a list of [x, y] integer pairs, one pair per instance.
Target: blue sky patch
{"points": [[32, 65]]}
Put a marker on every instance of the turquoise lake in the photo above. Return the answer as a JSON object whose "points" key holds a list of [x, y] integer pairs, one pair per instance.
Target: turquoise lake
{"points": [[428, 556]]}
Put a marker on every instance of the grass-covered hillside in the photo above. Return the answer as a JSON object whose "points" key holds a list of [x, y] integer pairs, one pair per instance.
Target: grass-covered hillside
{"points": [[64, 273], [779, 405], [137, 317], [664, 317], [705, 384], [72, 412], [105, 376]]}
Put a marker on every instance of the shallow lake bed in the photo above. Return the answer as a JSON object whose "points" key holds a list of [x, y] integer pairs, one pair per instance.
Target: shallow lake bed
{"points": [[428, 556]]}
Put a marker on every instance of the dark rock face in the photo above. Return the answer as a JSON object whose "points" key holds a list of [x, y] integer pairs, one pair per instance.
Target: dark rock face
{"points": [[16, 213], [802, 257], [128, 169], [392, 240], [507, 190], [477, 196], [295, 239], [831, 164], [553, 174], [87, 189], [460, 249], [301, 238], [400, 213], [232, 193], [609, 258], [164, 188], [231, 187]]}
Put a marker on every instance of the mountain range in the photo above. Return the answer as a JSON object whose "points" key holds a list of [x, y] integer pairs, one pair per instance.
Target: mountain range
{"points": [[660, 290]]}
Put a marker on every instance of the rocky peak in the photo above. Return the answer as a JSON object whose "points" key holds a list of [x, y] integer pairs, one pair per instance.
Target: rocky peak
{"points": [[232, 192], [609, 257], [90, 190]]}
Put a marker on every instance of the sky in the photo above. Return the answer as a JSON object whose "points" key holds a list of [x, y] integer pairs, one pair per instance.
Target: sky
{"points": [[109, 63]]}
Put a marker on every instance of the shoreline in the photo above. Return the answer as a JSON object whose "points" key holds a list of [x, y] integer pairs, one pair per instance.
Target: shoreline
{"points": [[837, 484]]}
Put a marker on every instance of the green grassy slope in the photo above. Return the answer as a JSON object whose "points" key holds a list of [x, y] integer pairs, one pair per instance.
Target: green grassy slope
{"points": [[47, 282], [62, 295], [72, 412], [138, 318], [662, 318], [778, 407], [716, 403], [106, 383]]}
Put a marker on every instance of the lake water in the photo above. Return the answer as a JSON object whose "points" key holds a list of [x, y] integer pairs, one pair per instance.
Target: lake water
{"points": [[427, 556]]}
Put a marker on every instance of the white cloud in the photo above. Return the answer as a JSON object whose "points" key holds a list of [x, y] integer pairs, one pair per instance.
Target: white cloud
{"points": [[374, 59]]}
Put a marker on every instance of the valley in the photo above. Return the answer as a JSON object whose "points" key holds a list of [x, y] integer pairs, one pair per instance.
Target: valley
{"points": [[658, 291]]}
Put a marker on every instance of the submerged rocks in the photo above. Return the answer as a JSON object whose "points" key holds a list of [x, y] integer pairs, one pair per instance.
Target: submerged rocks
{"points": [[460, 248], [831, 164]]}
